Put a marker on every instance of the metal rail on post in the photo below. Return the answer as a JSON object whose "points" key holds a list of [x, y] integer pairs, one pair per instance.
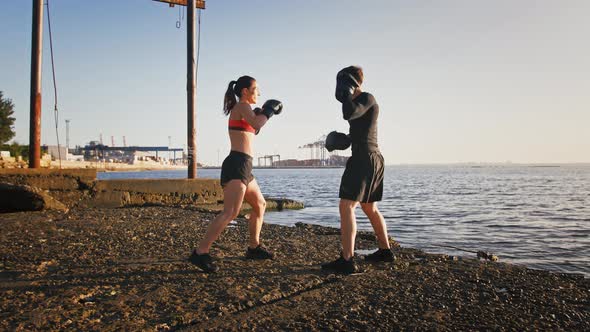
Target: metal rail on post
{"points": [[199, 3]]}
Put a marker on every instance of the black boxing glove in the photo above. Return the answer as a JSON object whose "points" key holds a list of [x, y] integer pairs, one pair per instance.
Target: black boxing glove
{"points": [[337, 141], [271, 107], [346, 84]]}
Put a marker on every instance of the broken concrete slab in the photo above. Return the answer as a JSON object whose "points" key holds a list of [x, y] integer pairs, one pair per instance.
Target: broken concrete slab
{"points": [[15, 198]]}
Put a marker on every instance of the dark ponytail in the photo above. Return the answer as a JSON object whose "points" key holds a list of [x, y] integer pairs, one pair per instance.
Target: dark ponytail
{"points": [[229, 100], [234, 89]]}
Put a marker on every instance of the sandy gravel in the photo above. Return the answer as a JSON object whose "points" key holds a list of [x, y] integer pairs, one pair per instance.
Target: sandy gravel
{"points": [[126, 269]]}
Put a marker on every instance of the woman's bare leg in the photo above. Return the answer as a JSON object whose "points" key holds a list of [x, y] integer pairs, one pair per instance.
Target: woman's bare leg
{"points": [[256, 200], [233, 196]]}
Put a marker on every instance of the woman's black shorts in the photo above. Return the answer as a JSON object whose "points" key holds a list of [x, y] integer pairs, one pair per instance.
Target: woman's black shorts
{"points": [[237, 166], [362, 180]]}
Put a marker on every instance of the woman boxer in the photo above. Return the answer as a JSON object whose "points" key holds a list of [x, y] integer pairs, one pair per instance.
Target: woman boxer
{"points": [[236, 171]]}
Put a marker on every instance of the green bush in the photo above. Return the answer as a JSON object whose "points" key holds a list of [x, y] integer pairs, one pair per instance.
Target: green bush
{"points": [[16, 150]]}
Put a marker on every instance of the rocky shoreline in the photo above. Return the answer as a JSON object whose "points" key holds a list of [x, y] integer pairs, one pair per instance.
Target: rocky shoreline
{"points": [[126, 269], [101, 166]]}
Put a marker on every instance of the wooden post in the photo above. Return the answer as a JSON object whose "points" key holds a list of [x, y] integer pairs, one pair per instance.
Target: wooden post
{"points": [[191, 85], [35, 99]]}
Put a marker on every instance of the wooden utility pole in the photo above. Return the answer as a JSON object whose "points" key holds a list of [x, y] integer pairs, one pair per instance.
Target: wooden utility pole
{"points": [[191, 87], [191, 84], [35, 99]]}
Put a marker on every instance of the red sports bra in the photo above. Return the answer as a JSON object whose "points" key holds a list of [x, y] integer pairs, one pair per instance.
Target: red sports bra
{"points": [[241, 125]]}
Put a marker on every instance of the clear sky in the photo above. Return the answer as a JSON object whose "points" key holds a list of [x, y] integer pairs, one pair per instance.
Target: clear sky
{"points": [[456, 81]]}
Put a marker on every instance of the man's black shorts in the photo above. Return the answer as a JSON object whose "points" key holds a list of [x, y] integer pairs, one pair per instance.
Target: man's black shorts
{"points": [[237, 166], [362, 180]]}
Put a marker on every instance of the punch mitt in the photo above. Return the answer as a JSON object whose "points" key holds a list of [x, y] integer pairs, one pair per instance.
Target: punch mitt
{"points": [[337, 141]]}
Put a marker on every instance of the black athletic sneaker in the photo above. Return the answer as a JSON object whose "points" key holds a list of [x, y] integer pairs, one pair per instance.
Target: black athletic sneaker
{"points": [[203, 261], [259, 252], [381, 255], [341, 265]]}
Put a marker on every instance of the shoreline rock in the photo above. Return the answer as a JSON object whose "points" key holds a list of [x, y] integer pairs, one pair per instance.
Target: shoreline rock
{"points": [[15, 198]]}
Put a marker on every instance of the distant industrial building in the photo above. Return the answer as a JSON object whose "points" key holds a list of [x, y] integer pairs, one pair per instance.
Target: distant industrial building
{"points": [[95, 151], [331, 161]]}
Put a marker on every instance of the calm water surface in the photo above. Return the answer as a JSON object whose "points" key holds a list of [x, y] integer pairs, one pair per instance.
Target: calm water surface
{"points": [[536, 216]]}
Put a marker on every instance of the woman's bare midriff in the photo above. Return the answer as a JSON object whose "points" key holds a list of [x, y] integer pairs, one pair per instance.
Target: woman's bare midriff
{"points": [[241, 141]]}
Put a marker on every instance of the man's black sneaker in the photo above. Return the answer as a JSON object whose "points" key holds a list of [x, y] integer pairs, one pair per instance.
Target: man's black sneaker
{"points": [[381, 255], [203, 261], [341, 265], [259, 252]]}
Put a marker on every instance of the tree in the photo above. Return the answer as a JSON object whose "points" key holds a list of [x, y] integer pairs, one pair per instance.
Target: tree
{"points": [[6, 120]]}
